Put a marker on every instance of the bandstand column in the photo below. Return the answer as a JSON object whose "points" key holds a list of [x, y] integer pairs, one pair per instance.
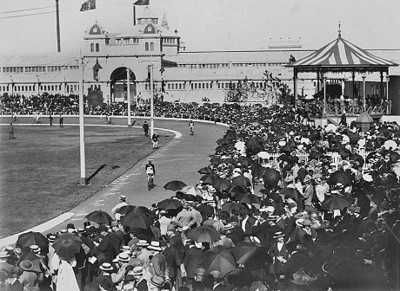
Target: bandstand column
{"points": [[364, 95], [295, 87], [324, 109]]}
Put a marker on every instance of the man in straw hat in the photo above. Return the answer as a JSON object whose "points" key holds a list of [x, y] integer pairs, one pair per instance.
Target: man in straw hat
{"points": [[122, 202], [279, 254]]}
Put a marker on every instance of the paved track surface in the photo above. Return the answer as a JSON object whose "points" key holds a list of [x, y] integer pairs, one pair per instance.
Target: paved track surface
{"points": [[180, 160]]}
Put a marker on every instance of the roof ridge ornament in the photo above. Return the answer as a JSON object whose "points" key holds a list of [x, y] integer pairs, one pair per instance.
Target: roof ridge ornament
{"points": [[339, 31]]}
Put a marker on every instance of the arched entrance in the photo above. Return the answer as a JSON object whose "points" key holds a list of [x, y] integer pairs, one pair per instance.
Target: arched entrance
{"points": [[118, 85]]}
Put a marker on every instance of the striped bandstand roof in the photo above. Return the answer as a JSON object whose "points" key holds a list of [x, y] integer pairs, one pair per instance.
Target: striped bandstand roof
{"points": [[341, 55]]}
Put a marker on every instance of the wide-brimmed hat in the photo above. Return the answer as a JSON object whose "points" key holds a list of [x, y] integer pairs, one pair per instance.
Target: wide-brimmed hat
{"points": [[4, 255], [122, 198], [125, 248], [155, 246], [200, 271], [302, 222], [142, 243], [123, 257], [138, 270], [157, 281], [35, 248], [106, 267], [279, 234], [229, 226], [52, 238], [26, 265], [272, 217]]}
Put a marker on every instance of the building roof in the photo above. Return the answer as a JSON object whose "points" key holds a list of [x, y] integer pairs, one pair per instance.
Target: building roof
{"points": [[255, 56], [341, 55]]}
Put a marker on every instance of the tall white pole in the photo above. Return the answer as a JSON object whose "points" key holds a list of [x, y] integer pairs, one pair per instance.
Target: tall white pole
{"points": [[151, 102], [364, 96], [128, 90], [82, 127], [324, 110]]}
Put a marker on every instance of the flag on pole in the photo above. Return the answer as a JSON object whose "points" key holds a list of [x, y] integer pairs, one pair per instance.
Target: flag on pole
{"points": [[142, 2], [88, 5]]}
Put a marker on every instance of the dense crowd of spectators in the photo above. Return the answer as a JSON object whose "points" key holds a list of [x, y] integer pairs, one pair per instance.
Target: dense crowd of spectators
{"points": [[314, 225]]}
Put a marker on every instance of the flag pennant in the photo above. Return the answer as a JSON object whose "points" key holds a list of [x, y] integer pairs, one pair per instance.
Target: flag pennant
{"points": [[88, 5], [142, 2]]}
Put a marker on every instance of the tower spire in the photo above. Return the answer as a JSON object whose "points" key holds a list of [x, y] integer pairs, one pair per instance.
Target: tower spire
{"points": [[339, 31], [164, 22]]}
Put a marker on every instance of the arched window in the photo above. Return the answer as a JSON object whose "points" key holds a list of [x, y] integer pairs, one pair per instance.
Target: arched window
{"points": [[152, 46], [97, 47], [146, 46], [92, 47]]}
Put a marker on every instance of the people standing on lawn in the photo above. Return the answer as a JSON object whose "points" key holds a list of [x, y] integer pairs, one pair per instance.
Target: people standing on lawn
{"points": [[50, 119], [154, 139], [11, 131], [61, 120], [145, 128]]}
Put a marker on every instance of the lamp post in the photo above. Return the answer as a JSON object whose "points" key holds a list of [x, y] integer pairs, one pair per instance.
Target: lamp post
{"points": [[151, 101], [387, 87], [12, 85], [82, 127], [363, 76], [128, 91]]}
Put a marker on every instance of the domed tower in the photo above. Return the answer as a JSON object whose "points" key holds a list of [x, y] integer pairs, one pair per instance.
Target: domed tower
{"points": [[95, 40]]}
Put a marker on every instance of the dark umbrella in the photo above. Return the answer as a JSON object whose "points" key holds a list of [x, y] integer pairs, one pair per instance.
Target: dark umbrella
{"points": [[99, 217], [67, 245], [336, 202], [357, 158], [206, 210], [354, 137], [223, 261], [136, 220], [290, 193], [241, 181], [271, 177], [249, 198], [394, 157], [230, 206], [236, 191], [253, 144], [211, 178], [315, 155], [340, 177], [168, 204], [174, 185], [205, 170], [123, 210], [203, 234], [222, 184], [243, 253], [32, 238], [141, 210]]}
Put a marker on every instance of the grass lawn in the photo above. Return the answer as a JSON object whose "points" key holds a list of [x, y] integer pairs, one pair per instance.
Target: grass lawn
{"points": [[40, 169]]}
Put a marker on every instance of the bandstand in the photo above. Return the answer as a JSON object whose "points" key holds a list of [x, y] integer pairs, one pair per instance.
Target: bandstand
{"points": [[343, 57]]}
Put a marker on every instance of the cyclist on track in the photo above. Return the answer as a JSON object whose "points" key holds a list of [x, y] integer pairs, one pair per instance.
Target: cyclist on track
{"points": [[191, 127], [150, 170]]}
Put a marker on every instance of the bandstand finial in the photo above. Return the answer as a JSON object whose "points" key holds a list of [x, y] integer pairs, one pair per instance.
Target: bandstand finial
{"points": [[339, 30]]}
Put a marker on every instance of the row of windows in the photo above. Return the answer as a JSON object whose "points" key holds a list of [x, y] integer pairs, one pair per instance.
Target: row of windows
{"points": [[149, 46], [45, 88], [94, 47], [208, 85], [168, 40], [36, 69], [221, 65]]}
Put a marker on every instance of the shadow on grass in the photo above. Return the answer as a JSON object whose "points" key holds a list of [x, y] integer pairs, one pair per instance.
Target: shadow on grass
{"points": [[95, 173]]}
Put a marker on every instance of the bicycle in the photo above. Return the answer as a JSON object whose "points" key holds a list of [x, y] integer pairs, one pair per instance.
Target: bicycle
{"points": [[150, 182]]}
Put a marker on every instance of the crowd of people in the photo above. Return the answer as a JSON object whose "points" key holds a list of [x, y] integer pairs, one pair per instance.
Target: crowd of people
{"points": [[253, 222]]}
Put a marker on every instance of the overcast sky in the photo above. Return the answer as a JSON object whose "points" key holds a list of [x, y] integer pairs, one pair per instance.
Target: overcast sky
{"points": [[207, 24]]}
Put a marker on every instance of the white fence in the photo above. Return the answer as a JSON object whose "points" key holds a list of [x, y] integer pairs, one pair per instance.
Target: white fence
{"points": [[335, 157]]}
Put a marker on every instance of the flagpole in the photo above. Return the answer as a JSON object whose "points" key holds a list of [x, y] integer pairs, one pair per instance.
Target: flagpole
{"points": [[134, 15], [58, 27], [128, 93], [82, 127], [151, 102]]}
